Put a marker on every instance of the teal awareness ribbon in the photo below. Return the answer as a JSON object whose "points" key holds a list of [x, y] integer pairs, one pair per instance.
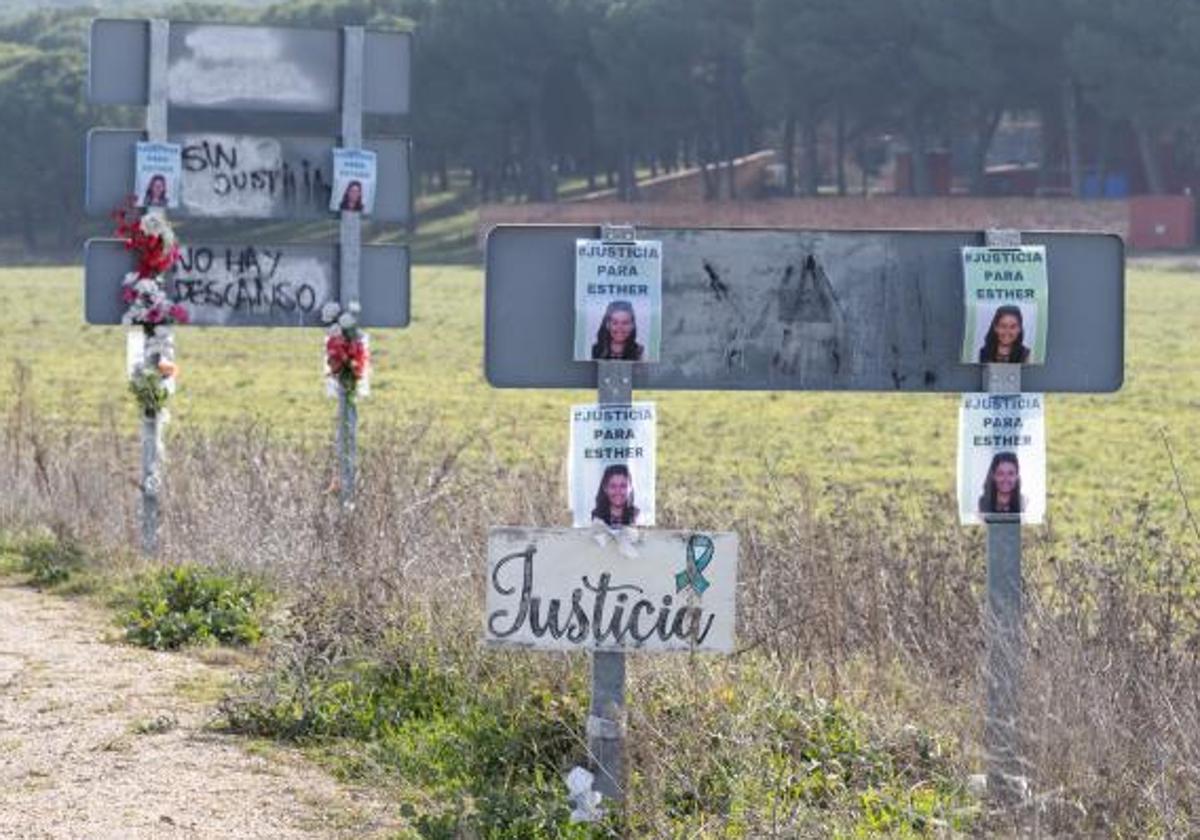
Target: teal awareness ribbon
{"points": [[699, 555]]}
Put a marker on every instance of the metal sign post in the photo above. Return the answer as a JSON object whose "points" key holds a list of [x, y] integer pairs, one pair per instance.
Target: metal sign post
{"points": [[350, 236], [793, 310], [606, 713], [153, 445], [1004, 616], [248, 105]]}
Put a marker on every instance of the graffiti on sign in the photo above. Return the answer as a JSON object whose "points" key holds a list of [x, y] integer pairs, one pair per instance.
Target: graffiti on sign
{"points": [[221, 283], [251, 177]]}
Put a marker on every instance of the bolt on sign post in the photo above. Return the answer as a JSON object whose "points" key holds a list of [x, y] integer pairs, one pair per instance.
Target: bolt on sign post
{"points": [[747, 309], [257, 119]]}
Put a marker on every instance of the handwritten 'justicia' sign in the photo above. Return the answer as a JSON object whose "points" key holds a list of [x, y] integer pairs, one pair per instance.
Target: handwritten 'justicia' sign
{"points": [[586, 589]]}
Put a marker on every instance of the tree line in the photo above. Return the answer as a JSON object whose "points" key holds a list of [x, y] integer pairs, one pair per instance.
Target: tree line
{"points": [[529, 95]]}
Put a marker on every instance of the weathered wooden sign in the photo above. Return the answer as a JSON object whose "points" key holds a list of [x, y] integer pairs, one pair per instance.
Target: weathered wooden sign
{"points": [[250, 177], [246, 68], [587, 590], [242, 285], [748, 309]]}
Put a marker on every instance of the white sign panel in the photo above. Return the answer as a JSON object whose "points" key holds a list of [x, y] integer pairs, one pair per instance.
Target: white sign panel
{"points": [[1001, 457], [611, 465], [566, 589], [618, 300]]}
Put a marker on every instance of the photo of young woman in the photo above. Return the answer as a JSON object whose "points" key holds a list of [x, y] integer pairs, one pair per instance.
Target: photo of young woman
{"points": [[617, 336], [1002, 487], [614, 498], [156, 192], [1005, 339], [352, 198]]}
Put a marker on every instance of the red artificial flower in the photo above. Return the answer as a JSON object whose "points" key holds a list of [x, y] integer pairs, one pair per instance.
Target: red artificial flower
{"points": [[342, 355], [179, 314]]}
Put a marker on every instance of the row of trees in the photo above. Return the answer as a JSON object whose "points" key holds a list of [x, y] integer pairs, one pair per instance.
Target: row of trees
{"points": [[526, 94]]}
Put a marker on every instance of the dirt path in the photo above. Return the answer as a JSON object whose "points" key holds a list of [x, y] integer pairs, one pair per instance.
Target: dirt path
{"points": [[100, 740]]}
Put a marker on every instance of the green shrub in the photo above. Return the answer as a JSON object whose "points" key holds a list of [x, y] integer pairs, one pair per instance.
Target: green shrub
{"points": [[192, 604], [478, 756], [50, 561]]}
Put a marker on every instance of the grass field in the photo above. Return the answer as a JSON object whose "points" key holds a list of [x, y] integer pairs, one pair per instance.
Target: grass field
{"points": [[1105, 452], [853, 707]]}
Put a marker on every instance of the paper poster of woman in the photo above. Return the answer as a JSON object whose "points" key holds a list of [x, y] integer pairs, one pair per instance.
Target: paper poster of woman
{"points": [[1002, 487], [156, 192], [617, 336], [614, 498], [1004, 341], [352, 197]]}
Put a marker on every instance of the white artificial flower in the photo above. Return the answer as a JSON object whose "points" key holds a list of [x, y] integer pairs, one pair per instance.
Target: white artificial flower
{"points": [[153, 224], [330, 312], [130, 279], [145, 286], [335, 331], [354, 307], [346, 321]]}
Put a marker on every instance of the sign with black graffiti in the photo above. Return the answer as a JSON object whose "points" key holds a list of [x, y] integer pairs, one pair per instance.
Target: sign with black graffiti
{"points": [[747, 309], [247, 176], [566, 589], [262, 285]]}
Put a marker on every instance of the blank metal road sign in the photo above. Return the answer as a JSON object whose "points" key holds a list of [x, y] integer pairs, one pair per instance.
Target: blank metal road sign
{"points": [[247, 68], [747, 309]]}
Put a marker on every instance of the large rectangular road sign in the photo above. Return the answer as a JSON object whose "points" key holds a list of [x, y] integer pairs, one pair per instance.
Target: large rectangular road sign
{"points": [[748, 309], [265, 285], [249, 177], [246, 68]]}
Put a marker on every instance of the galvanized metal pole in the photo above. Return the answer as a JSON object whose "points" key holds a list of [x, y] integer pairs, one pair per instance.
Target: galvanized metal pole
{"points": [[153, 447], [606, 715], [1005, 634], [350, 258]]}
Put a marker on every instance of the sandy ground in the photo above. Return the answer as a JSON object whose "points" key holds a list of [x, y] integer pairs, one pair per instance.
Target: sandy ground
{"points": [[99, 740]]}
